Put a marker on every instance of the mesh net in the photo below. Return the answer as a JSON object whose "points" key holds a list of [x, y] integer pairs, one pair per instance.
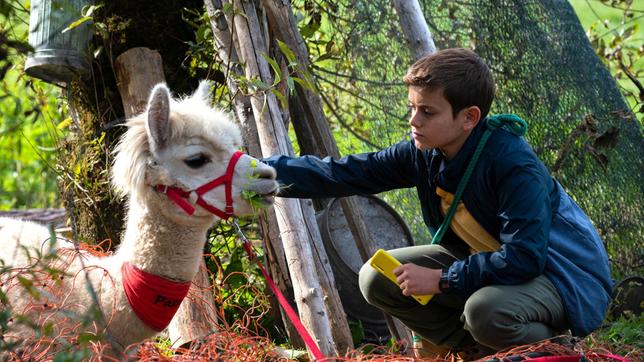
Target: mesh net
{"points": [[546, 72]]}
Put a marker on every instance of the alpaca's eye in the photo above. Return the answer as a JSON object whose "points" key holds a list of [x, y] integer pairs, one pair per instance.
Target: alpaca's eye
{"points": [[196, 161]]}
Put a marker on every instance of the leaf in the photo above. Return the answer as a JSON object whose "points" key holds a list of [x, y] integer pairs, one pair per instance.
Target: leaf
{"points": [[3, 298], [84, 338], [89, 10], [307, 31], [98, 52], [77, 23], [48, 329], [281, 98], [64, 123], [304, 84], [275, 66], [323, 57], [290, 84], [257, 84], [227, 8], [629, 31], [288, 53], [329, 48], [29, 286]]}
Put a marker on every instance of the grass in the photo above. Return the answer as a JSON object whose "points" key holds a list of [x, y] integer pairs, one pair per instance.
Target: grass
{"points": [[623, 336]]}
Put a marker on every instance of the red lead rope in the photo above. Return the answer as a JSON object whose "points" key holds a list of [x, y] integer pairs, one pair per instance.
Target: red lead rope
{"points": [[301, 330], [179, 197]]}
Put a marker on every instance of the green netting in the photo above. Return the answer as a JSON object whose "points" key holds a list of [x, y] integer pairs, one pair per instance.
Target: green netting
{"points": [[546, 72]]}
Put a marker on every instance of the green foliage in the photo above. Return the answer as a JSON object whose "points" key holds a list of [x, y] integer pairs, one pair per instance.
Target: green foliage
{"points": [[32, 122], [243, 290], [616, 31], [164, 346], [357, 332], [621, 336]]}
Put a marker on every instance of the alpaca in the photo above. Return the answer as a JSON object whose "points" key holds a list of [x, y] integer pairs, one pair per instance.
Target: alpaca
{"points": [[173, 147]]}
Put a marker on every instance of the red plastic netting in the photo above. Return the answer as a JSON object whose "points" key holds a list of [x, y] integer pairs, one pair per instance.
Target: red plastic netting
{"points": [[227, 326]]}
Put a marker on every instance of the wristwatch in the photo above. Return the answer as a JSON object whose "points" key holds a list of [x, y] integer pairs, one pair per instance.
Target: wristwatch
{"points": [[443, 283]]}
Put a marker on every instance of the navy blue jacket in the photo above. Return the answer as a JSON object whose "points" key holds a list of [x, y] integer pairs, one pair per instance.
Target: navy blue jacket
{"points": [[511, 194]]}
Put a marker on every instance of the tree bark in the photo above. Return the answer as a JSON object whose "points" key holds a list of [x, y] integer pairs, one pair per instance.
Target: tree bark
{"points": [[417, 34], [227, 51], [196, 317], [314, 134], [298, 243], [138, 70]]}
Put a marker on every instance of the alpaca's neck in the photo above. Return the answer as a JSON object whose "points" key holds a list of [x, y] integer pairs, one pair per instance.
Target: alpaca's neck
{"points": [[160, 245]]}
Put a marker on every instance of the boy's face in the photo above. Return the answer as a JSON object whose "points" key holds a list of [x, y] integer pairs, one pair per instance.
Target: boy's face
{"points": [[434, 126]]}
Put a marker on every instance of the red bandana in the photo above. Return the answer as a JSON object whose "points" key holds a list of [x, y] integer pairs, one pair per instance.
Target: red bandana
{"points": [[154, 299]]}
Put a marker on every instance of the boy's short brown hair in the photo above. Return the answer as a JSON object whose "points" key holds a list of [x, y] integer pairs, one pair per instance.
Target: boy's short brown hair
{"points": [[464, 77]]}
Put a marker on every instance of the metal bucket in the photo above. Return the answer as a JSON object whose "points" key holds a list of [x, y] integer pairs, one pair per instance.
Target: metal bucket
{"points": [[58, 57], [388, 231]]}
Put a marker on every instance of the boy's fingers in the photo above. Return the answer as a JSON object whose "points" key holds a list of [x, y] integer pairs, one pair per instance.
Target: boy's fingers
{"points": [[398, 270]]}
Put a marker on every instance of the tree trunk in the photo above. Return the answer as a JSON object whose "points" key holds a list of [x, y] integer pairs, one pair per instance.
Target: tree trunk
{"points": [[196, 317], [225, 47], [420, 42], [95, 107], [314, 134], [298, 242], [138, 70], [417, 34]]}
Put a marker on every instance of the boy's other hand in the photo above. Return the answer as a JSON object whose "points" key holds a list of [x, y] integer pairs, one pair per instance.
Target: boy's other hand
{"points": [[417, 280]]}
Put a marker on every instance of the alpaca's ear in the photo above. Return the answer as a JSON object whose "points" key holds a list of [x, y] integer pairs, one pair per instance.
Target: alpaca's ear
{"points": [[203, 92], [158, 124]]}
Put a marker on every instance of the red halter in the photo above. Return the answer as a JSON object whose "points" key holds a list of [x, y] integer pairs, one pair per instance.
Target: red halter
{"points": [[179, 196]]}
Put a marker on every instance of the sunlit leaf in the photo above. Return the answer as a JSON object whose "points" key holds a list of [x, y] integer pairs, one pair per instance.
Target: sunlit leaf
{"points": [[288, 53], [77, 23], [64, 123], [304, 83], [88, 11], [275, 66]]}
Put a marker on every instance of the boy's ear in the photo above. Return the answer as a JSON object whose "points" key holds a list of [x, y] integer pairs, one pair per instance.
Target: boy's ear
{"points": [[472, 117]]}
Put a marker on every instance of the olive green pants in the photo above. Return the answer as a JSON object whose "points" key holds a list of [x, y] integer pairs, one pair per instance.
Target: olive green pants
{"points": [[497, 316]]}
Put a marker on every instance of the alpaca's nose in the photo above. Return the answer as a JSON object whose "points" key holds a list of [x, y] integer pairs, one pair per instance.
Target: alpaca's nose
{"points": [[263, 177], [264, 171]]}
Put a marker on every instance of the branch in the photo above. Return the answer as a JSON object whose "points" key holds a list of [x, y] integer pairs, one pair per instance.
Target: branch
{"points": [[632, 77], [358, 97], [384, 84], [345, 125]]}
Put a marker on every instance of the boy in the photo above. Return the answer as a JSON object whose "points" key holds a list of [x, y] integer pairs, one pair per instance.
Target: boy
{"points": [[518, 262]]}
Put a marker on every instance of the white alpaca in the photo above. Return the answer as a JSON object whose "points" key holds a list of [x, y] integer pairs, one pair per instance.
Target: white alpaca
{"points": [[183, 144]]}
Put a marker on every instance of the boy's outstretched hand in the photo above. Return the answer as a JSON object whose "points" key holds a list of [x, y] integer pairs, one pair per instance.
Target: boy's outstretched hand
{"points": [[417, 280]]}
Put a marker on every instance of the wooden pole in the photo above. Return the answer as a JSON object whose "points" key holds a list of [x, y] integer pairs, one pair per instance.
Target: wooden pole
{"points": [[227, 51], [315, 136], [417, 34], [298, 244], [138, 70]]}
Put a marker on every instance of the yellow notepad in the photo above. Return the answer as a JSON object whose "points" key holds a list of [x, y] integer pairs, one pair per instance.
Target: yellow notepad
{"points": [[383, 262]]}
